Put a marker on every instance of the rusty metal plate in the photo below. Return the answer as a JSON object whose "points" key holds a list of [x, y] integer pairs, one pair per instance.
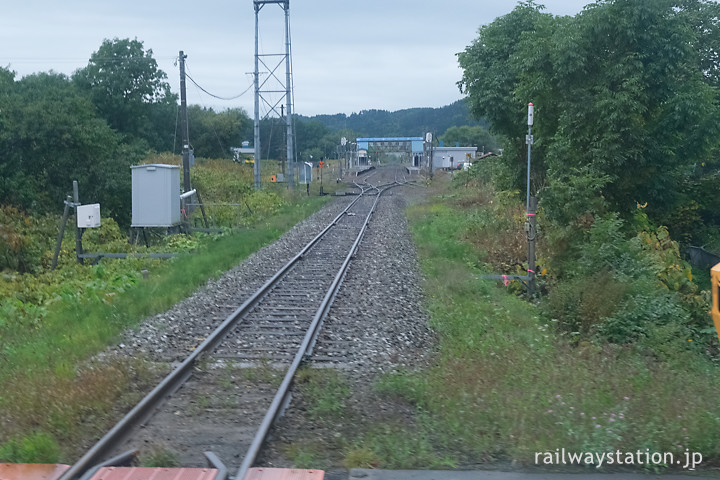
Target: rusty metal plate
{"points": [[284, 474], [147, 473], [31, 471]]}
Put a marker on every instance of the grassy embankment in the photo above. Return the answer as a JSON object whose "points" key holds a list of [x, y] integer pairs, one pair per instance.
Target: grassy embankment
{"points": [[53, 321], [509, 383]]}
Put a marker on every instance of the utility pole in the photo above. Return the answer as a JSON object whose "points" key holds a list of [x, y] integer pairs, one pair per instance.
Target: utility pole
{"points": [[78, 232], [184, 126], [531, 230], [256, 164], [272, 85], [429, 152], [529, 142], [531, 224], [61, 233], [343, 144], [288, 101]]}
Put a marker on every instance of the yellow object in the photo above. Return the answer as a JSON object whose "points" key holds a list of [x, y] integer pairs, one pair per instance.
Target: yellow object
{"points": [[715, 286]]}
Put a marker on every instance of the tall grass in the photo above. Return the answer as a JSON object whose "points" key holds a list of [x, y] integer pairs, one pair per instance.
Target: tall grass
{"points": [[508, 383], [47, 392]]}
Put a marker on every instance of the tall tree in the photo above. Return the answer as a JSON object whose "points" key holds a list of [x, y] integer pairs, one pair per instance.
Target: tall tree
{"points": [[625, 105], [470, 136], [212, 134], [491, 72], [492, 75], [51, 135], [310, 137], [130, 91]]}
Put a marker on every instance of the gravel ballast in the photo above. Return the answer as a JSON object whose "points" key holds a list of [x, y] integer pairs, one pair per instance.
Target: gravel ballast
{"points": [[375, 326]]}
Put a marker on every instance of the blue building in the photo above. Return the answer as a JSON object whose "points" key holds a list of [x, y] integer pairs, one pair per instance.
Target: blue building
{"points": [[410, 146]]}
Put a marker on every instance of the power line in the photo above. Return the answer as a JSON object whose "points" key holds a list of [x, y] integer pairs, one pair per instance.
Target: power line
{"points": [[214, 130], [216, 96]]}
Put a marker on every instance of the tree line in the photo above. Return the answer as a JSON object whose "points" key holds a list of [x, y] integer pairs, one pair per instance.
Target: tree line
{"points": [[91, 126], [627, 101], [410, 122]]}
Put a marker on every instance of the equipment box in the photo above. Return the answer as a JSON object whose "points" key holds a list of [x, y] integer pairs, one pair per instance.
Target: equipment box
{"points": [[155, 195], [88, 216]]}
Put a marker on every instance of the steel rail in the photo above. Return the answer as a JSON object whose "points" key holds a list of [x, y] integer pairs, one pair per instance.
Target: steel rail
{"points": [[282, 395], [173, 381]]}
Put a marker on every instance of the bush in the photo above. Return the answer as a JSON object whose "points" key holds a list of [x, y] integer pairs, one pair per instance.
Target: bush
{"points": [[641, 313], [504, 386], [34, 448], [222, 180], [622, 287], [107, 238], [264, 204], [580, 305], [24, 239]]}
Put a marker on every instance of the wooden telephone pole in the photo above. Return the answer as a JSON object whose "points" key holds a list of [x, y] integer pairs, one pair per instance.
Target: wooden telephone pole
{"points": [[184, 126]]}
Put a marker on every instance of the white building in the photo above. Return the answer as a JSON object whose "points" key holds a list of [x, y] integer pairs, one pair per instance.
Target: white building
{"points": [[245, 150], [451, 157]]}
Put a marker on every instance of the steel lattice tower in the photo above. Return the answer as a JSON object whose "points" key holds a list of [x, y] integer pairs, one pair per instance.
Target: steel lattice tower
{"points": [[273, 83]]}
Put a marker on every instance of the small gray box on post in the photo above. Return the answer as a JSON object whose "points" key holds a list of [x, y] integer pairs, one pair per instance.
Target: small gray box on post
{"points": [[305, 173], [88, 216], [155, 195]]}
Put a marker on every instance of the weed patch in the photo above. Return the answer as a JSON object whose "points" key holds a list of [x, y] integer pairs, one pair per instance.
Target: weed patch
{"points": [[34, 448], [513, 378], [57, 320], [159, 457], [305, 455], [68, 406], [325, 392], [397, 446]]}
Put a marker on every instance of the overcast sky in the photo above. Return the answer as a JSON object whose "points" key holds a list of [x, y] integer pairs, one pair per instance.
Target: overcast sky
{"points": [[347, 56]]}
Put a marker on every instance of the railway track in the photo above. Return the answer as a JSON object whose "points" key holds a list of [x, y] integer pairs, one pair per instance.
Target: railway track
{"points": [[221, 398]]}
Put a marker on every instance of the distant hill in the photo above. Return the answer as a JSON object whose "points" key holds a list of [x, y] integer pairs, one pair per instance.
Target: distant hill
{"points": [[411, 122]]}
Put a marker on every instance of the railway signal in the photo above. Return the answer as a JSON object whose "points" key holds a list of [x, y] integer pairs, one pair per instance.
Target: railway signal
{"points": [[530, 225], [321, 165]]}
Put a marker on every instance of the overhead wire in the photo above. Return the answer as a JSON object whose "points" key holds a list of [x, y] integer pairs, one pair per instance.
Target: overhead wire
{"points": [[200, 88], [212, 127], [212, 94]]}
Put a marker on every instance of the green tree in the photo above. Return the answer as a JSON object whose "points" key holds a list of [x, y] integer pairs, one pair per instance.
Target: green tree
{"points": [[16, 186], [313, 135], [52, 135], [212, 134], [470, 136], [625, 105], [492, 75], [131, 92], [491, 72], [411, 122], [704, 18]]}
